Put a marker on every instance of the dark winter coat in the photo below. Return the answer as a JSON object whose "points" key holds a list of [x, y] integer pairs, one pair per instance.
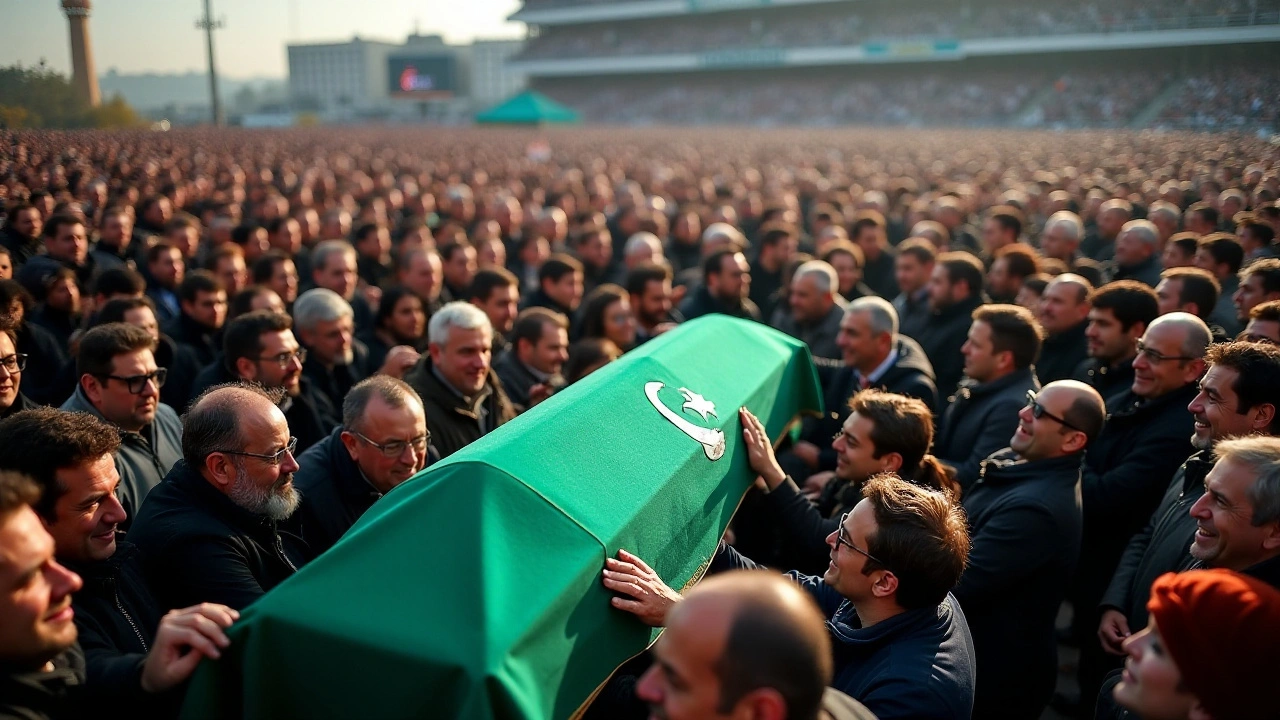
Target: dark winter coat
{"points": [[454, 422], [942, 337], [979, 420], [1061, 354], [1108, 380], [701, 303]]}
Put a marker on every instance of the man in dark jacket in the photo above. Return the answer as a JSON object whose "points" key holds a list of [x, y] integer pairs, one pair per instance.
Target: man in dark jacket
{"points": [[1148, 430], [726, 284], [560, 285], [539, 348], [382, 442], [211, 531], [902, 646], [335, 359], [998, 363], [1137, 253], [21, 233], [203, 304], [912, 268], [1064, 315], [1238, 397], [955, 291], [118, 621], [868, 232], [1024, 525], [260, 347], [119, 382], [875, 356], [1120, 314], [814, 313], [461, 393]]}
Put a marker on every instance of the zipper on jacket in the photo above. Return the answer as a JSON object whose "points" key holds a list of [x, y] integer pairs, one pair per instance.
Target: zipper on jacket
{"points": [[281, 553], [129, 618]]}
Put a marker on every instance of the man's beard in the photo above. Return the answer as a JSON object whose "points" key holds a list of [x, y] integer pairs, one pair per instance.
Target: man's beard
{"points": [[272, 502]]}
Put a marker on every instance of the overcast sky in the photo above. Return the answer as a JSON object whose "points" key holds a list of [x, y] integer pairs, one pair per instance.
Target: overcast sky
{"points": [[135, 36]]}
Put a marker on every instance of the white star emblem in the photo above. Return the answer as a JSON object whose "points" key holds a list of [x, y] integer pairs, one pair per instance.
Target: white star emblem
{"points": [[698, 404]]}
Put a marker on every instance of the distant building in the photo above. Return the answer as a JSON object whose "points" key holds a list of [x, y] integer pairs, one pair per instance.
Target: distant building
{"points": [[343, 77], [491, 79]]}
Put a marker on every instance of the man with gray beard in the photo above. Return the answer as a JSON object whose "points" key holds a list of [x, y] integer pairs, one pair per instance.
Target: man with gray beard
{"points": [[211, 532]]}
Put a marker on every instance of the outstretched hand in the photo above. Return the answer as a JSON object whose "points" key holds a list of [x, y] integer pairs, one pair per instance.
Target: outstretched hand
{"points": [[183, 638], [760, 450], [649, 599]]}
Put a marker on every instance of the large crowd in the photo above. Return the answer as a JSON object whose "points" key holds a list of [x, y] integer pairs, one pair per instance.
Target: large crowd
{"points": [[1048, 361], [825, 25]]}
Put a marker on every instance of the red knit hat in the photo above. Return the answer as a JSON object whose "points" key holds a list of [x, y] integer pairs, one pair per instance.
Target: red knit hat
{"points": [[1222, 630]]}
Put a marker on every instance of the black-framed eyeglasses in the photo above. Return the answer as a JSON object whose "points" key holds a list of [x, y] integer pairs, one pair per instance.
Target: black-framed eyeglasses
{"points": [[843, 539], [274, 458], [1038, 411], [1155, 357], [14, 363], [283, 359], [395, 448], [138, 383]]}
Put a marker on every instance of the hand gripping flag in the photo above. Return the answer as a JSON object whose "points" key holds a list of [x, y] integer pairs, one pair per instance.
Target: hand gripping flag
{"points": [[473, 590]]}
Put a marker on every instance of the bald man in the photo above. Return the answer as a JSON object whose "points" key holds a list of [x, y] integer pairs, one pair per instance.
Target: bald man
{"points": [[210, 531], [745, 644], [1025, 525]]}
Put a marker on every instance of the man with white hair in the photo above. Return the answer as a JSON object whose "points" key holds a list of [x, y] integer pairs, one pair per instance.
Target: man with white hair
{"points": [[1060, 239], [641, 248], [815, 310], [211, 531], [1167, 218], [463, 397], [336, 360], [1137, 252]]}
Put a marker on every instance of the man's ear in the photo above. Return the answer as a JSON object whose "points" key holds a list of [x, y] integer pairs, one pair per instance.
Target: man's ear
{"points": [[349, 441], [891, 462], [886, 585], [92, 388], [220, 470], [1075, 442], [764, 703], [246, 368], [1264, 415]]}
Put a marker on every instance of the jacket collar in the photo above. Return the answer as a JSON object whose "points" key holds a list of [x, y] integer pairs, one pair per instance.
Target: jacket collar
{"points": [[1005, 466], [446, 396], [847, 630], [970, 388], [210, 500], [79, 402], [1127, 403], [348, 478]]}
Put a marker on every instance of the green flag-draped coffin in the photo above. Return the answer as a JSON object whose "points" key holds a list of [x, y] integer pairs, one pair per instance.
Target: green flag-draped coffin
{"points": [[473, 590]]}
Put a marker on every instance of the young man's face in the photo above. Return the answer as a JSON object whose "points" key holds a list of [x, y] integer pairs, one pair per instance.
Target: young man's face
{"points": [[35, 594], [88, 512]]}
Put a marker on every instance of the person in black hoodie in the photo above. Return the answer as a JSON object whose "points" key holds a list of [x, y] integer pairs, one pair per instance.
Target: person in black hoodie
{"points": [[214, 531], [955, 291], [1064, 314], [117, 618], [726, 286], [868, 232], [203, 303], [983, 414], [21, 233], [1119, 314], [383, 441], [1148, 433], [560, 286], [1025, 523]]}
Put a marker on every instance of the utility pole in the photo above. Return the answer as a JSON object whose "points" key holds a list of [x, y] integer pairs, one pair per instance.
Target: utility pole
{"points": [[208, 24]]}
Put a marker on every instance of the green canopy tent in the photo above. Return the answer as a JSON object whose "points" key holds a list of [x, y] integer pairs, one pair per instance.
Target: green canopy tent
{"points": [[473, 590], [528, 108]]}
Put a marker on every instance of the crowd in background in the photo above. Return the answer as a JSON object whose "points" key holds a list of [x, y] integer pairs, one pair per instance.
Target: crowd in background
{"points": [[1049, 362]]}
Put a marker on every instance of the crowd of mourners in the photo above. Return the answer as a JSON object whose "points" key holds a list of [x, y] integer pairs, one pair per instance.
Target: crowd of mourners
{"points": [[1049, 365]]}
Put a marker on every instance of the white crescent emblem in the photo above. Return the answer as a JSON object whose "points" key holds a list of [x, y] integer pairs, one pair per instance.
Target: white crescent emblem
{"points": [[711, 440]]}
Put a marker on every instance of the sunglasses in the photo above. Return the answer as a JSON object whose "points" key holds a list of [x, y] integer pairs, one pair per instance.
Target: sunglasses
{"points": [[1038, 411]]}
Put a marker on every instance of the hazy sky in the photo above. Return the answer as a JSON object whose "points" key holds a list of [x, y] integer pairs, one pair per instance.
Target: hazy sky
{"points": [[160, 35]]}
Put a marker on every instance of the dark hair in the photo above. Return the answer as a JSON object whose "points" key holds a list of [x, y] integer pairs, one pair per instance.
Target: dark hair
{"points": [[1087, 414], [774, 233], [196, 282], [1225, 249], [40, 442], [240, 233], [1257, 366], [1037, 283], [118, 281], [16, 491], [1268, 311], [920, 536], [265, 266], [448, 249], [639, 277], [1008, 217], [11, 290], [1013, 329], [867, 219], [1198, 286], [1260, 231], [363, 231], [844, 247], [904, 425], [242, 301], [594, 307], [1187, 242], [12, 216], [1268, 269], [1021, 260], [113, 311], [961, 266], [100, 346], [155, 251], [242, 337], [531, 323], [57, 221], [181, 221], [213, 424], [585, 353], [1207, 212], [387, 305], [556, 267], [714, 263], [490, 279], [395, 393], [221, 252], [1129, 300], [924, 251]]}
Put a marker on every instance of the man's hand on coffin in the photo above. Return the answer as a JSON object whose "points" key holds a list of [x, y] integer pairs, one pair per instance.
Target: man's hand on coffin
{"points": [[641, 592]]}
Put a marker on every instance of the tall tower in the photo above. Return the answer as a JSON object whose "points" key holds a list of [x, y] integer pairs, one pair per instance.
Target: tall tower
{"points": [[83, 74]]}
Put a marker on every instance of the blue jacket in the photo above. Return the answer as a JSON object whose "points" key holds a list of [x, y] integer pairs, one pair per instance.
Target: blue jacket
{"points": [[919, 664]]}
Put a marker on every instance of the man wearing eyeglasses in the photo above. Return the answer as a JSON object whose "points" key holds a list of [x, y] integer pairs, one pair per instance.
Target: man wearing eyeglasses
{"points": [[383, 441], [1127, 469], [120, 383], [12, 363], [1025, 523], [212, 532]]}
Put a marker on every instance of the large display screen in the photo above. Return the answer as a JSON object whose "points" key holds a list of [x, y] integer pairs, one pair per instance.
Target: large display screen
{"points": [[421, 76]]}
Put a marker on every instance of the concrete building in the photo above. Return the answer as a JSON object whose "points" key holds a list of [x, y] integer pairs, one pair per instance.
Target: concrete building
{"points": [[349, 77], [83, 74]]}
